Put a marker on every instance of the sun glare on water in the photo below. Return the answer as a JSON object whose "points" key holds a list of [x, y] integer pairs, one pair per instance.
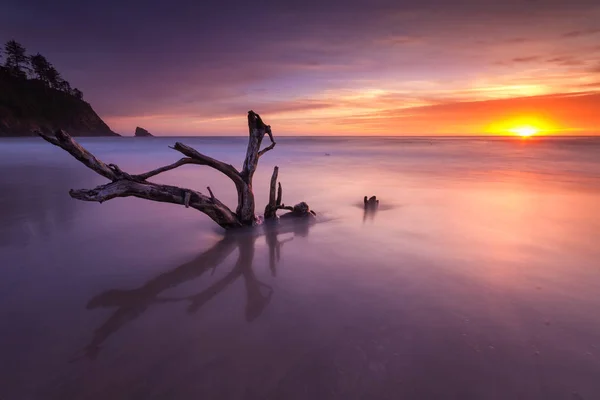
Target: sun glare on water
{"points": [[524, 131]]}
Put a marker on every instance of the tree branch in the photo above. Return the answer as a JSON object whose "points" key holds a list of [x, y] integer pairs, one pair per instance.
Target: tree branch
{"points": [[149, 174], [279, 194], [212, 196], [271, 208], [275, 199], [201, 159], [263, 151], [125, 185], [210, 206], [257, 129], [63, 140]]}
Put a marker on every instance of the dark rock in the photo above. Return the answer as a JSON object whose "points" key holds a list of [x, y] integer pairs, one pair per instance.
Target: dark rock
{"points": [[141, 132], [27, 105], [371, 203], [301, 210]]}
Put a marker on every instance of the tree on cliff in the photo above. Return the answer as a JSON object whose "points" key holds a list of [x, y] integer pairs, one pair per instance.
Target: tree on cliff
{"points": [[40, 67], [18, 63], [16, 59], [54, 78], [64, 86], [77, 93], [45, 72]]}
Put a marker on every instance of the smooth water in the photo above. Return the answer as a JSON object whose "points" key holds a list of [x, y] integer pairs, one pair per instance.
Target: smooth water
{"points": [[479, 277]]}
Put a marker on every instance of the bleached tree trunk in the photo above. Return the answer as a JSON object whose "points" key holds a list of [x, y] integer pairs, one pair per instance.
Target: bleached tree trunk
{"points": [[123, 184]]}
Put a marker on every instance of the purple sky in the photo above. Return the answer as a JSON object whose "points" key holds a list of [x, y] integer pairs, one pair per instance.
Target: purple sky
{"points": [[197, 67]]}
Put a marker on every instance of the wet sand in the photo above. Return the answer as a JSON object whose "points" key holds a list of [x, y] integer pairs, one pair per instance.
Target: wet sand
{"points": [[477, 279]]}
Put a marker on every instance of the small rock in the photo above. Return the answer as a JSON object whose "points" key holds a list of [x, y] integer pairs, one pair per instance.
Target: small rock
{"points": [[141, 132], [371, 203], [300, 210]]}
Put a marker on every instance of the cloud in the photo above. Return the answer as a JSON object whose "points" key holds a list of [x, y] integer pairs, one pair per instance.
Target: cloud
{"points": [[568, 61], [596, 69], [525, 59], [402, 40], [389, 113], [516, 40], [578, 33]]}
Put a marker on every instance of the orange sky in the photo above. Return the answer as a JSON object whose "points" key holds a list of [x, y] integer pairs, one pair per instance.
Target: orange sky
{"points": [[312, 67], [378, 114]]}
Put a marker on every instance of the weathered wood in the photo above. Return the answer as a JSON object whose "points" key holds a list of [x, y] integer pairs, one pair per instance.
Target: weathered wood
{"points": [[212, 207], [275, 202], [124, 184], [65, 141], [279, 194], [169, 167], [263, 151], [201, 159], [271, 207], [372, 202], [246, 206]]}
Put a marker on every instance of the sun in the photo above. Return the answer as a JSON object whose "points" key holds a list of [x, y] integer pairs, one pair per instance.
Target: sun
{"points": [[525, 131], [523, 126]]}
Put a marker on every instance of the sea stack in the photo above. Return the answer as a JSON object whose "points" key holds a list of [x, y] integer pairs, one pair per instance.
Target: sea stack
{"points": [[141, 132]]}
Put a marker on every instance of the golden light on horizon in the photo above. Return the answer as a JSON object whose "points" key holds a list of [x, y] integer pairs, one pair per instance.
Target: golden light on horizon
{"points": [[525, 131], [523, 126]]}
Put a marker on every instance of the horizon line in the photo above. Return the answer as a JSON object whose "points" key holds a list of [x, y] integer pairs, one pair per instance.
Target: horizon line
{"points": [[596, 135]]}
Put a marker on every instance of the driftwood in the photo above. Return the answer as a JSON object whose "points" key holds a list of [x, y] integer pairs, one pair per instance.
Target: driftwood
{"points": [[124, 184], [371, 203], [275, 202], [371, 206]]}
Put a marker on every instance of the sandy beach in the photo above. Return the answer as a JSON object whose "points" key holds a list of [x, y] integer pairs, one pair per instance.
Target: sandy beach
{"points": [[478, 278]]}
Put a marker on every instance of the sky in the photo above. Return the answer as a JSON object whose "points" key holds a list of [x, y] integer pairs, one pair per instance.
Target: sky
{"points": [[315, 67]]}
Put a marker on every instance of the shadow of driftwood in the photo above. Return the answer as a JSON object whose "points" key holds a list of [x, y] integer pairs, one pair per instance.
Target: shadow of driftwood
{"points": [[132, 303]]}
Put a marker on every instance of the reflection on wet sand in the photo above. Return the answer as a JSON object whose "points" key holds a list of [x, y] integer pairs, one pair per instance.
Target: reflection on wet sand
{"points": [[133, 303], [369, 213]]}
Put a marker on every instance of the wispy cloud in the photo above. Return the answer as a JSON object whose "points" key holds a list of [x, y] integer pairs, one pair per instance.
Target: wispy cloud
{"points": [[578, 33], [525, 59]]}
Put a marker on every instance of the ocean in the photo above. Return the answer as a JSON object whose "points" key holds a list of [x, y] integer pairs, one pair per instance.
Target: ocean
{"points": [[477, 278]]}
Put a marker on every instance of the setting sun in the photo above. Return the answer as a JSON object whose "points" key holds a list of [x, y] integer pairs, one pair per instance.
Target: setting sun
{"points": [[523, 126], [525, 131]]}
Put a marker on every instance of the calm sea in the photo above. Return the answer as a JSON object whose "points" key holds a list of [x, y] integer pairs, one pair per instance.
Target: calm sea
{"points": [[478, 278]]}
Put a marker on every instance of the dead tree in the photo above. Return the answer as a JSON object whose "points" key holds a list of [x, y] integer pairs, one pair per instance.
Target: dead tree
{"points": [[123, 184]]}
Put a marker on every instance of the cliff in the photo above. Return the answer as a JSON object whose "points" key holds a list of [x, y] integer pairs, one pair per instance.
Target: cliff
{"points": [[141, 132], [27, 105]]}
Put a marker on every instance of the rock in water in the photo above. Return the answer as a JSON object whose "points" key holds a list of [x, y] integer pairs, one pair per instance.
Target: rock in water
{"points": [[371, 203], [301, 210], [141, 132]]}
